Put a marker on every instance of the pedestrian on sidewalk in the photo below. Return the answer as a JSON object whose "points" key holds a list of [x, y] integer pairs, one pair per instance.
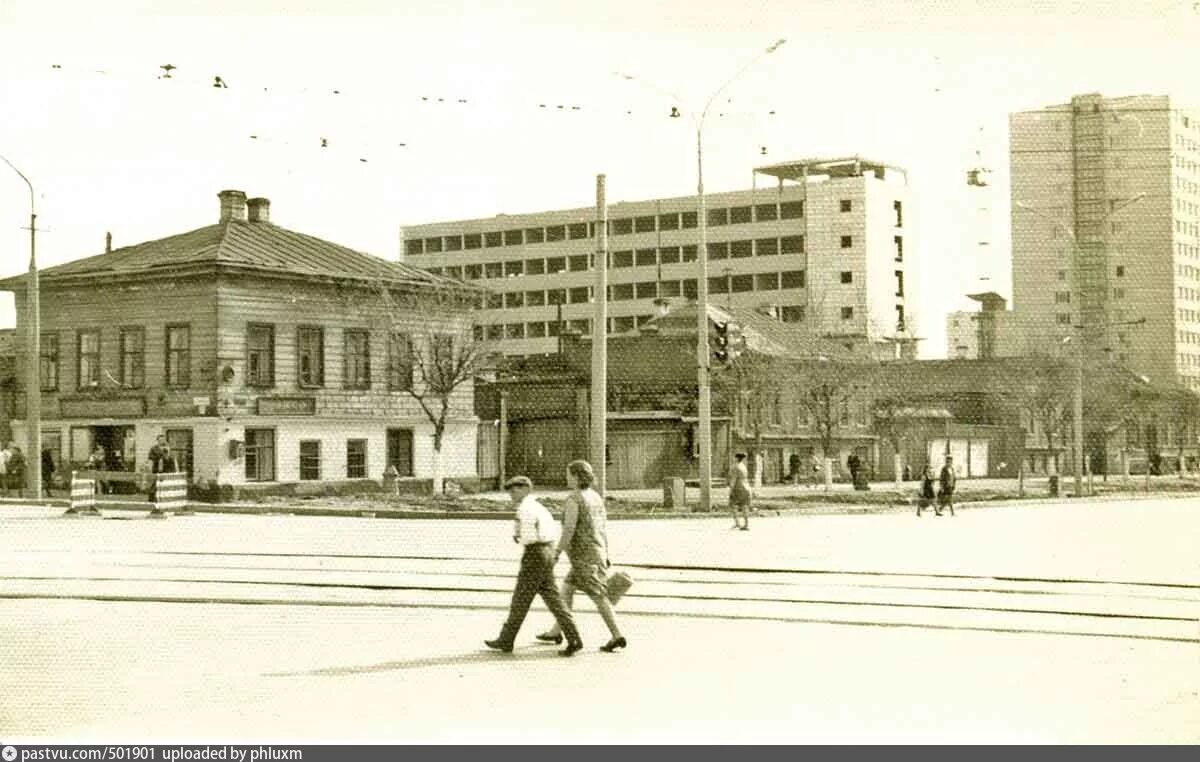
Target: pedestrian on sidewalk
{"points": [[739, 492], [16, 471], [97, 461], [585, 541], [161, 462], [5, 454], [536, 530], [947, 479], [927, 494], [47, 469]]}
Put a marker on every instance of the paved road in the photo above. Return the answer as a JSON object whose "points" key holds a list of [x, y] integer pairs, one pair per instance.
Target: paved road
{"points": [[1047, 623]]}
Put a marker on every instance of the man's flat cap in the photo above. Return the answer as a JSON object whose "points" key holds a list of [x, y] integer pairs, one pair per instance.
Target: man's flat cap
{"points": [[518, 481]]}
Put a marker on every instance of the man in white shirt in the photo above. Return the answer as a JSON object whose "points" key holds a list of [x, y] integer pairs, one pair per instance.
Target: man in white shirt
{"points": [[538, 532]]}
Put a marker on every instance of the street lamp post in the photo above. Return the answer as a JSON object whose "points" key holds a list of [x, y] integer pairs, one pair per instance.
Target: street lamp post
{"points": [[1078, 327], [33, 354], [704, 390]]}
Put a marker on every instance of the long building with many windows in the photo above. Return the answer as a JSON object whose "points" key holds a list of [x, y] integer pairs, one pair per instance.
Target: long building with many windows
{"points": [[827, 246]]}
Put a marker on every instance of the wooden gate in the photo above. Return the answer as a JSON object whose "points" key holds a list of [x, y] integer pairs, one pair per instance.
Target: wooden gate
{"points": [[642, 459]]}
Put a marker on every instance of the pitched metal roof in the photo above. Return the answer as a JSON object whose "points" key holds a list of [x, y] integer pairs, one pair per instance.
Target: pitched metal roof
{"points": [[261, 246]]}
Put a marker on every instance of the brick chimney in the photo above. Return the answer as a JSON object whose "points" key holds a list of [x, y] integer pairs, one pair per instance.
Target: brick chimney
{"points": [[233, 205], [259, 209]]}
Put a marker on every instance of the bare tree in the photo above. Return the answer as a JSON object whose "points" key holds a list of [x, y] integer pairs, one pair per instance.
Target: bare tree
{"points": [[753, 383], [825, 392], [1045, 396], [889, 426], [431, 364]]}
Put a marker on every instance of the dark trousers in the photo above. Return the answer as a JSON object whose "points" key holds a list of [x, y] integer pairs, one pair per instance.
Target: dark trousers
{"points": [[536, 577]]}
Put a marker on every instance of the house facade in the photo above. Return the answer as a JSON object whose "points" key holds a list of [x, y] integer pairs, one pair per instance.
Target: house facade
{"points": [[267, 357], [790, 399]]}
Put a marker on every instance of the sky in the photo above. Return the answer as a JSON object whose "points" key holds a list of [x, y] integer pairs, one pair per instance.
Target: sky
{"points": [[454, 106]]}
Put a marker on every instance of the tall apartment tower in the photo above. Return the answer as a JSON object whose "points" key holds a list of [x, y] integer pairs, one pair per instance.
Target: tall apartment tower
{"points": [[825, 246], [1105, 226]]}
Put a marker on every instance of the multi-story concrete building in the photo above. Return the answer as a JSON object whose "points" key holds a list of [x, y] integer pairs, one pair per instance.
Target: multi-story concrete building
{"points": [[828, 246], [1106, 230]]}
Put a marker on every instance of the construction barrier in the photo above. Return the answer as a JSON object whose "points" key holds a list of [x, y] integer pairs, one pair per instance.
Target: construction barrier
{"points": [[83, 497], [170, 494]]}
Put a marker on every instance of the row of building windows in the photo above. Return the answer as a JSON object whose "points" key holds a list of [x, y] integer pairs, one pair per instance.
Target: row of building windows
{"points": [[131, 360], [259, 456], [718, 217], [649, 290], [1188, 294], [1187, 250], [1188, 316], [260, 358], [622, 226], [650, 257], [310, 459], [788, 313]]}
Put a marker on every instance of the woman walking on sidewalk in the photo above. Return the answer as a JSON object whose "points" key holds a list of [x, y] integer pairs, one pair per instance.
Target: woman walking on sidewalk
{"points": [[585, 540], [739, 493]]}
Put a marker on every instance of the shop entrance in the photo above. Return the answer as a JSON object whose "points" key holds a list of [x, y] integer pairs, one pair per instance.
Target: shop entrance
{"points": [[119, 445]]}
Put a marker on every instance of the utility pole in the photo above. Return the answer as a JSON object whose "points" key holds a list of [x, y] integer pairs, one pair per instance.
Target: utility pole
{"points": [[704, 392], [600, 342], [33, 354], [1077, 290], [704, 389]]}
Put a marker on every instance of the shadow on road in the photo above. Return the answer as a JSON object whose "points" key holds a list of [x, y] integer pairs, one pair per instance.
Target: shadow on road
{"points": [[447, 660]]}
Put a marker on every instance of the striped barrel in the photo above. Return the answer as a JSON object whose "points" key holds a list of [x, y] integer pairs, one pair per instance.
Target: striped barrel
{"points": [[170, 493], [83, 497]]}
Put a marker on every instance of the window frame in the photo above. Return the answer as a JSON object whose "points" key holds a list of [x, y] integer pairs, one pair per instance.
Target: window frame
{"points": [[397, 381], [256, 381], [95, 356], [139, 356], [302, 457], [177, 359], [50, 361], [352, 456], [348, 335], [301, 332]]}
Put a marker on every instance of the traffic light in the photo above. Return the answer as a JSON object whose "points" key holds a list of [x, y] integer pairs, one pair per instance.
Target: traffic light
{"points": [[720, 343], [735, 343]]}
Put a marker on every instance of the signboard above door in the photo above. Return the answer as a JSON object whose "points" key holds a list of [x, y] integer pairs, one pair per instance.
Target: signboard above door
{"points": [[287, 405], [114, 407]]}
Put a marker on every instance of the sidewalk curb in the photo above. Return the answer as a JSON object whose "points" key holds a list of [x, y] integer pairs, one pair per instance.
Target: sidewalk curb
{"points": [[781, 508]]}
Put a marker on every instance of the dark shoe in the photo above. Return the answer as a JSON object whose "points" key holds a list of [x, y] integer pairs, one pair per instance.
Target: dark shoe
{"points": [[498, 645], [546, 637], [613, 645], [745, 528], [571, 649]]}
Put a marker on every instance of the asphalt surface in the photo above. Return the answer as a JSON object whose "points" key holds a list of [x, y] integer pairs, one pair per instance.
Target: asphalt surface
{"points": [[1071, 623]]}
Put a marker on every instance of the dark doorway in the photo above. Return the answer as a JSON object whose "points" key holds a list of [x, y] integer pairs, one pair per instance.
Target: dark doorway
{"points": [[118, 442], [400, 451]]}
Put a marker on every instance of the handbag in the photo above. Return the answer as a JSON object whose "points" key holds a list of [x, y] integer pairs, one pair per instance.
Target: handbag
{"points": [[617, 585]]}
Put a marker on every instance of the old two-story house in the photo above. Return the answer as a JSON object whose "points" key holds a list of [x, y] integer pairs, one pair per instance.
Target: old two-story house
{"points": [[267, 357]]}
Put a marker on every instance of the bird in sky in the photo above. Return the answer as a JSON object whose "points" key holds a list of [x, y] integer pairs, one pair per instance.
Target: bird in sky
{"points": [[219, 83]]}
